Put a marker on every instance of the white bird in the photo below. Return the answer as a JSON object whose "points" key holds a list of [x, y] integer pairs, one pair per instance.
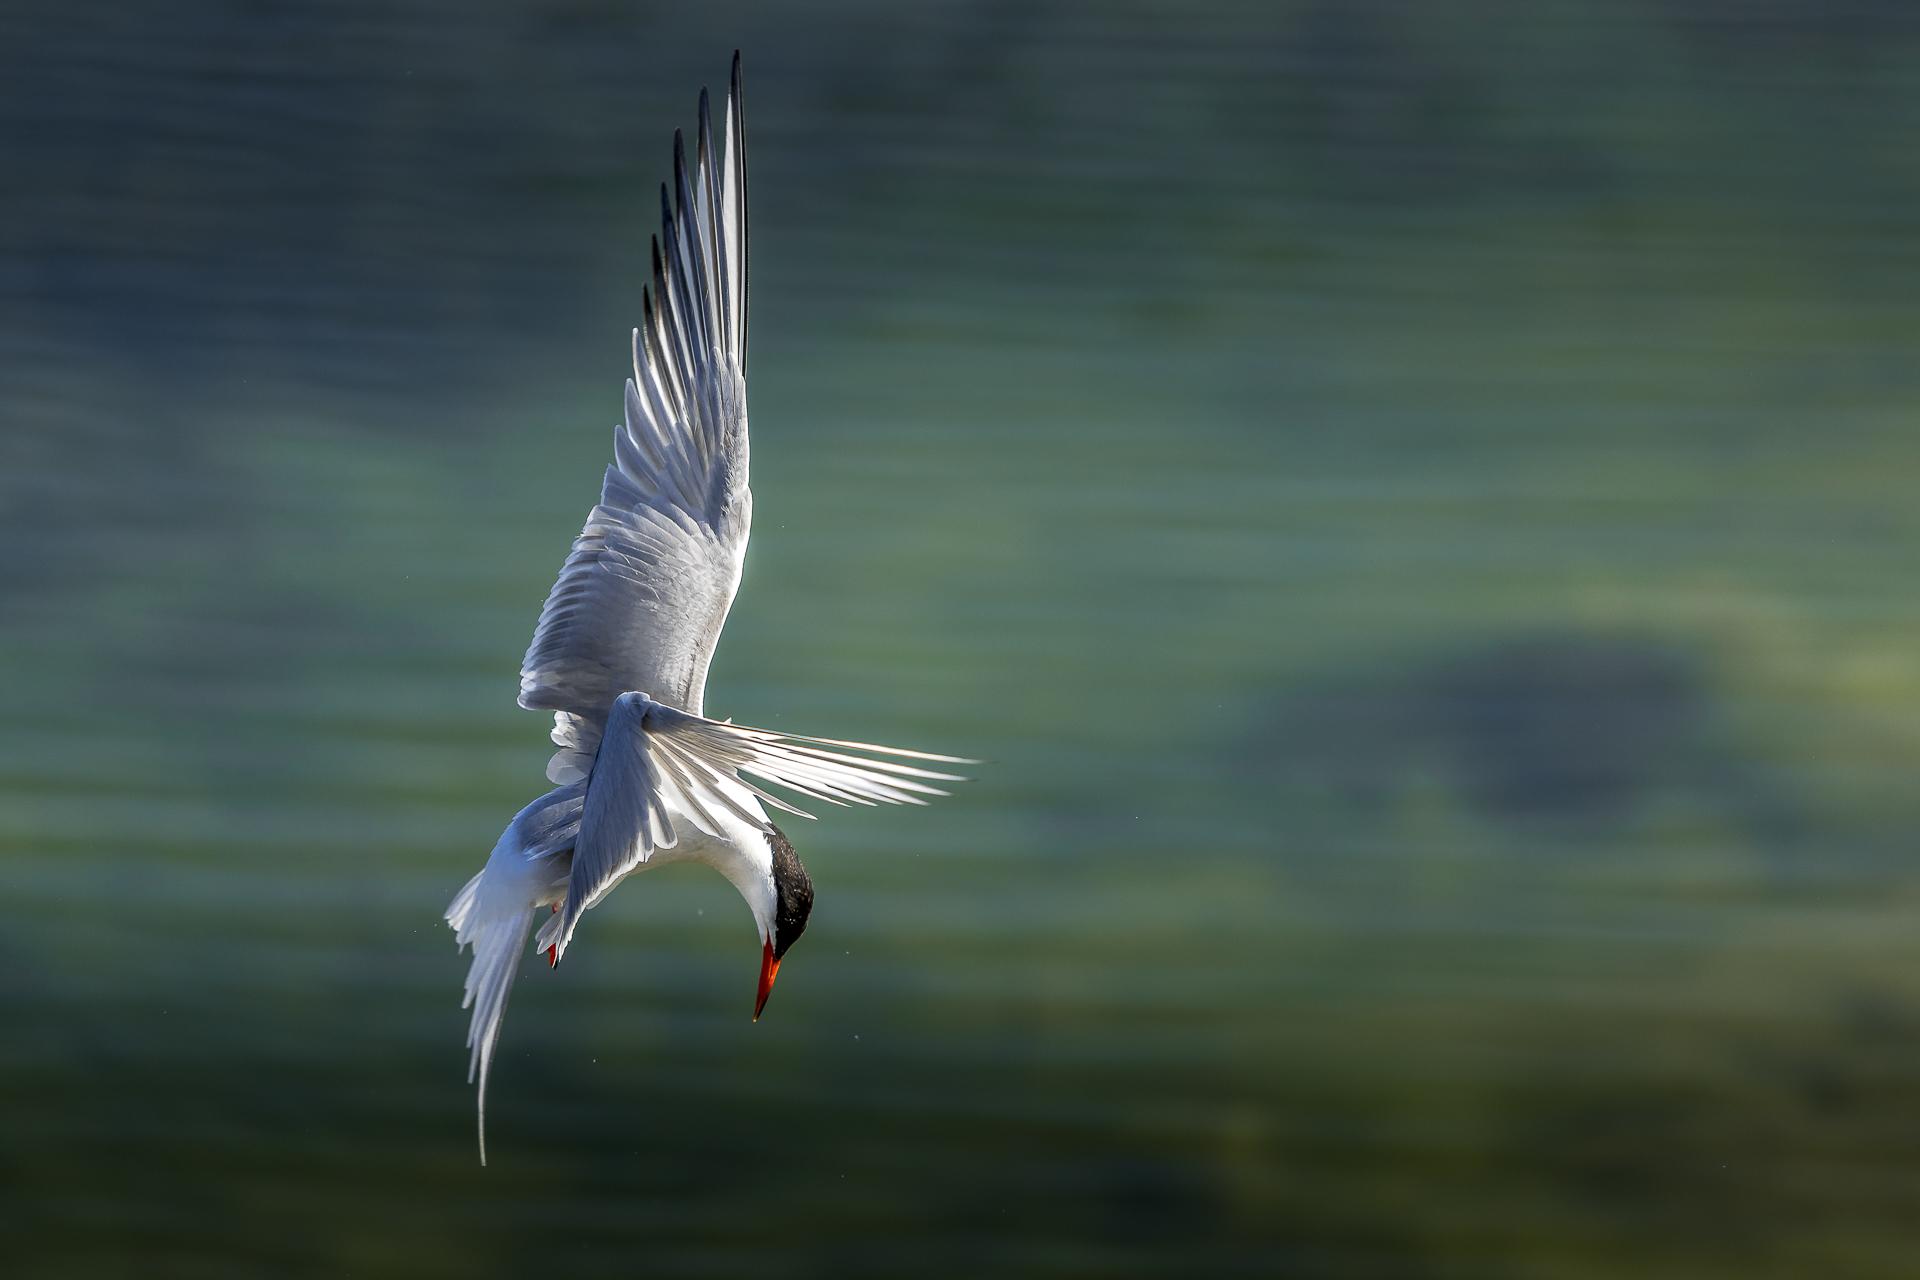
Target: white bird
{"points": [[621, 651]]}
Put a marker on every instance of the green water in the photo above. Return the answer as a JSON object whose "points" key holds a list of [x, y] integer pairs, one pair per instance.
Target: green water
{"points": [[1415, 504]]}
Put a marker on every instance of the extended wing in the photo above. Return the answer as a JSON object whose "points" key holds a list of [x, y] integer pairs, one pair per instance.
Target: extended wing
{"points": [[659, 766], [644, 594]]}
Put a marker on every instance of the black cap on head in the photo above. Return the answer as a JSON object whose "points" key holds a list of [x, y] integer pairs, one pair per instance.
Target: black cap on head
{"points": [[793, 890]]}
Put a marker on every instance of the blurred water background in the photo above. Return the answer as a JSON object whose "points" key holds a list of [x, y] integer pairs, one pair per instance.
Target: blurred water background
{"points": [[1415, 502]]}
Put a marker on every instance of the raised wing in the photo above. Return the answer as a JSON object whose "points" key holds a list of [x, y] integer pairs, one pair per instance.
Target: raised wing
{"points": [[659, 766], [644, 594]]}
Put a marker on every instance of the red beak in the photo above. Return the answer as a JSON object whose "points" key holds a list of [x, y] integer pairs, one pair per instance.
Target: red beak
{"points": [[769, 970]]}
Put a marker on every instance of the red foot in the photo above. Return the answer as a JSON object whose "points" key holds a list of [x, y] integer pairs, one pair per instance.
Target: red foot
{"points": [[553, 952]]}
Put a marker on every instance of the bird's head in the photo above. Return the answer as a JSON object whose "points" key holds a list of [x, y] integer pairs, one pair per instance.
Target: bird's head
{"points": [[792, 901]]}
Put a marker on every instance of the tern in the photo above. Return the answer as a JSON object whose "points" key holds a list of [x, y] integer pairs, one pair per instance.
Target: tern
{"points": [[642, 776]]}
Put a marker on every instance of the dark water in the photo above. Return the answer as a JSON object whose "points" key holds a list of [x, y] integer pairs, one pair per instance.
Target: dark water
{"points": [[1417, 504]]}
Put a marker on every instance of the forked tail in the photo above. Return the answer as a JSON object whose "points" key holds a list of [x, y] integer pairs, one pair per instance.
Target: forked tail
{"points": [[497, 945], [494, 913]]}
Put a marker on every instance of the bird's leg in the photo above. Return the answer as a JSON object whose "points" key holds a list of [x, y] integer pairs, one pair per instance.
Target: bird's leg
{"points": [[553, 952]]}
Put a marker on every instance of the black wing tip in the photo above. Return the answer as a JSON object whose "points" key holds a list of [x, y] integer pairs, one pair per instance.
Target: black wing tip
{"points": [[679, 182]]}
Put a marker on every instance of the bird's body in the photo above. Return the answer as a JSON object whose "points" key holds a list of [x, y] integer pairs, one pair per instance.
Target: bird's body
{"points": [[621, 652]]}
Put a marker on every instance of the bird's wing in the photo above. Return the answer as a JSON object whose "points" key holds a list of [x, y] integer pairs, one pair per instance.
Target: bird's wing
{"points": [[642, 597], [658, 765]]}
